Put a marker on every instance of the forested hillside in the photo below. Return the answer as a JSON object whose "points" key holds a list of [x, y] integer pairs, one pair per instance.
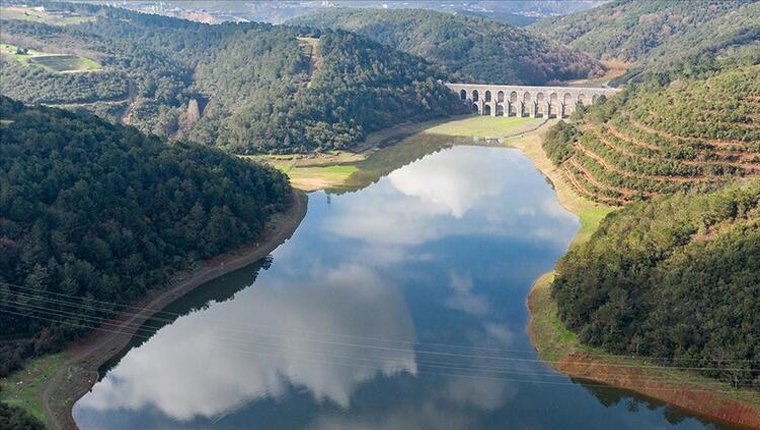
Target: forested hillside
{"points": [[245, 87], [472, 48], [359, 87], [653, 34], [100, 212], [673, 275], [675, 279], [691, 133]]}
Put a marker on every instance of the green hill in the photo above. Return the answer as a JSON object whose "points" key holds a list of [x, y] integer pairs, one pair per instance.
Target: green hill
{"points": [[674, 279], [472, 48], [653, 33], [651, 140], [98, 211], [245, 87], [672, 276]]}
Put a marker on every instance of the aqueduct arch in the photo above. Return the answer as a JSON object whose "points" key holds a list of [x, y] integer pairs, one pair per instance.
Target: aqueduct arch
{"points": [[525, 100], [513, 105], [541, 105], [526, 104]]}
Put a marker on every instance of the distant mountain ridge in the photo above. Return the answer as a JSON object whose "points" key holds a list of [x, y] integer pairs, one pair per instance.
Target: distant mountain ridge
{"points": [[472, 48], [653, 32], [278, 11]]}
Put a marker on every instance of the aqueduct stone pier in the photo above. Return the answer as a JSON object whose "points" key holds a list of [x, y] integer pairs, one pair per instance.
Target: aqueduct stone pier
{"points": [[528, 101]]}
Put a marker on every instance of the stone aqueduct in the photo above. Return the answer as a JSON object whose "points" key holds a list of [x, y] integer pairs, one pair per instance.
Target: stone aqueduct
{"points": [[529, 101]]}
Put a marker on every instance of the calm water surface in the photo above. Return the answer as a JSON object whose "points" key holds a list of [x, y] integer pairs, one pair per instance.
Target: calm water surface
{"points": [[400, 306]]}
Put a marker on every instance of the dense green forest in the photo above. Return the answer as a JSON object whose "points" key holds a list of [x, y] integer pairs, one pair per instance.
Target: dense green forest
{"points": [[657, 34], [245, 87], [473, 49], [674, 279], [15, 418], [360, 87], [102, 213]]}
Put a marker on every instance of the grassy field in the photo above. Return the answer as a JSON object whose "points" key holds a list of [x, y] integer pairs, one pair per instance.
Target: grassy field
{"points": [[45, 17], [550, 336], [389, 149], [315, 172], [65, 63], [340, 170], [61, 63], [318, 177], [485, 126], [22, 387]]}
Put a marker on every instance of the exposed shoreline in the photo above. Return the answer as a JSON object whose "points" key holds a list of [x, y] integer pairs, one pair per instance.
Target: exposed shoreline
{"points": [[695, 394], [698, 395], [79, 369]]}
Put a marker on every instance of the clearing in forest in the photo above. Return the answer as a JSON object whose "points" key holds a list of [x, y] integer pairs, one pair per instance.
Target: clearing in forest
{"points": [[61, 63], [310, 50], [45, 16], [487, 127]]}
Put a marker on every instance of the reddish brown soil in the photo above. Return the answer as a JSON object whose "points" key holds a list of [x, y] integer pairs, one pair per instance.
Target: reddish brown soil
{"points": [[569, 175], [653, 383]]}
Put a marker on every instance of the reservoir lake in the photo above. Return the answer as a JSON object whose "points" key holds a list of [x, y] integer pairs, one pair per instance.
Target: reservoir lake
{"points": [[400, 305]]}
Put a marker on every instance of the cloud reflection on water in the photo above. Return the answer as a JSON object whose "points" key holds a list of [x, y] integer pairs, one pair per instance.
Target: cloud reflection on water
{"points": [[439, 191], [339, 289], [299, 335]]}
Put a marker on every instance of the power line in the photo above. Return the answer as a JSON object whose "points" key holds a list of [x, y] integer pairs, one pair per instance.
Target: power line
{"points": [[171, 316], [418, 360], [375, 367], [439, 354]]}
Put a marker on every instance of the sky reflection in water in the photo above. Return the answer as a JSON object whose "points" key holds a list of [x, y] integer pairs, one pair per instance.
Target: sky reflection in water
{"points": [[392, 307]]}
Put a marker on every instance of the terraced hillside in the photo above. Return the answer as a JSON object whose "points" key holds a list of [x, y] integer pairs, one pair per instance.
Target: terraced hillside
{"points": [[696, 134]]}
